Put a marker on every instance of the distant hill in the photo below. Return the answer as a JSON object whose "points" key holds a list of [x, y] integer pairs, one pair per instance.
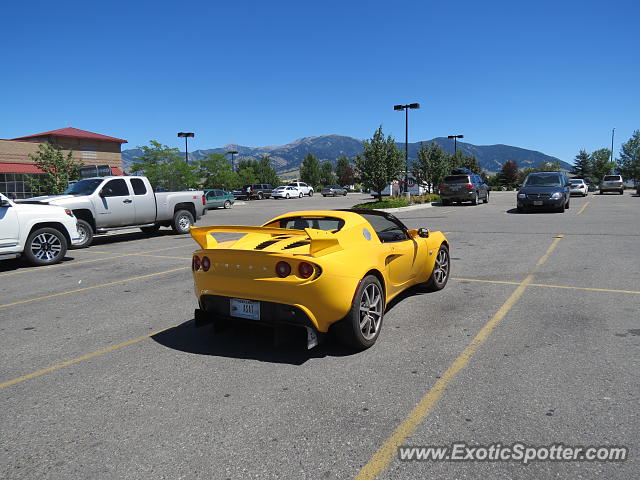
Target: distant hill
{"points": [[287, 158]]}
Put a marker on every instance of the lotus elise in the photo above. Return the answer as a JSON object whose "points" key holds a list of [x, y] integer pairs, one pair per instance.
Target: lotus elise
{"points": [[317, 269]]}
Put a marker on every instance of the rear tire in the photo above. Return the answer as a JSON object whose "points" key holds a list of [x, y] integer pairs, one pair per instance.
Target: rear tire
{"points": [[227, 204], [476, 200], [301, 195], [621, 192], [311, 193], [344, 194], [287, 196], [45, 246], [486, 198], [441, 270], [361, 327], [86, 234], [182, 221], [260, 196]]}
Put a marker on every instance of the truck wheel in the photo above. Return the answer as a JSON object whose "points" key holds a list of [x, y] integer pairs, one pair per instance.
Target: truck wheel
{"points": [[86, 234], [260, 196], [301, 195], [227, 204], [182, 221], [150, 230], [361, 327], [45, 246]]}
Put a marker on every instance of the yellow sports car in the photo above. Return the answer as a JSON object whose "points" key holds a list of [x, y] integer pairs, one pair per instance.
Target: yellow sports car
{"points": [[316, 269]]}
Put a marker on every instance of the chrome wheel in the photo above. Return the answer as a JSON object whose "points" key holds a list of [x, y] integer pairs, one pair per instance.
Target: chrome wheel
{"points": [[441, 268], [46, 247], [184, 222], [370, 311]]}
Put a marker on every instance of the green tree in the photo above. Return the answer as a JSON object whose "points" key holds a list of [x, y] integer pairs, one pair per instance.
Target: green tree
{"points": [[265, 173], [601, 164], [310, 171], [509, 173], [381, 162], [629, 161], [58, 169], [345, 172], [583, 167], [327, 177], [246, 176], [432, 166], [215, 171], [165, 167]]}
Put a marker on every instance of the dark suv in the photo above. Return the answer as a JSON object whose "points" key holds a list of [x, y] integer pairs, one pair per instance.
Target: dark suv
{"points": [[464, 186], [544, 190], [255, 190]]}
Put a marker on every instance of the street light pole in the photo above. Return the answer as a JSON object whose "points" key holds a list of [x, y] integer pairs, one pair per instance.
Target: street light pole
{"points": [[186, 135], [455, 141], [612, 133], [406, 142]]}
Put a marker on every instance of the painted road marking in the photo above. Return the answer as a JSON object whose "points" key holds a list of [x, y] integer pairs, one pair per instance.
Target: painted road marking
{"points": [[583, 207], [546, 285], [78, 290], [388, 451], [82, 262]]}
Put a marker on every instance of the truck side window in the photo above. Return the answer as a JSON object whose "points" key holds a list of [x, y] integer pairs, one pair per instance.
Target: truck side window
{"points": [[138, 186], [116, 188]]}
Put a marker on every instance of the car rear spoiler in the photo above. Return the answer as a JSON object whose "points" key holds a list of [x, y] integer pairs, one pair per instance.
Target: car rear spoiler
{"points": [[321, 241]]}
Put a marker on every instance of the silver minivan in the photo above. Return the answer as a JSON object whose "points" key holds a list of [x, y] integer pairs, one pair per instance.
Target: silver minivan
{"points": [[612, 183]]}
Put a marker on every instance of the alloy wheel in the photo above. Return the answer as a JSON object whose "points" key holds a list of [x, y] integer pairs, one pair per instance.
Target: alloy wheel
{"points": [[46, 247], [370, 311]]}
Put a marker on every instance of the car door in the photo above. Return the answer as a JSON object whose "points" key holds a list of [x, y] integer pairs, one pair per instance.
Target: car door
{"points": [[9, 225], [212, 199], [144, 202], [114, 206]]}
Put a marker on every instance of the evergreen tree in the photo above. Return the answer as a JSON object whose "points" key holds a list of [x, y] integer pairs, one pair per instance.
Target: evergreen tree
{"points": [[629, 161], [310, 171], [327, 177], [381, 162], [509, 173], [583, 167]]}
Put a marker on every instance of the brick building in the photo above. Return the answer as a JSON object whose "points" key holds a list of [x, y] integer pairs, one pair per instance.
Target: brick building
{"points": [[88, 147]]}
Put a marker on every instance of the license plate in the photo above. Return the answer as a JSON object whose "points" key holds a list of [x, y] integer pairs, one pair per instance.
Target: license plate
{"points": [[454, 188], [537, 202], [239, 307]]}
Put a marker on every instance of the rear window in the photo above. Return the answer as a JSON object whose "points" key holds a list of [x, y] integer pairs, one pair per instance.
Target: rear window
{"points": [[612, 178], [576, 181], [319, 223], [457, 179]]}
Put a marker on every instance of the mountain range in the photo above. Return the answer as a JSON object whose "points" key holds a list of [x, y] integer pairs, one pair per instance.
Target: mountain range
{"points": [[287, 158]]}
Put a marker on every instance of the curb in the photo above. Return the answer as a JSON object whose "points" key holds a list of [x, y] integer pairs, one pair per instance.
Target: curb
{"points": [[405, 209]]}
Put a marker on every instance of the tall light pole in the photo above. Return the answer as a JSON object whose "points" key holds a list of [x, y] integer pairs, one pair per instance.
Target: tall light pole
{"points": [[406, 142], [232, 153], [612, 133], [186, 135], [455, 141]]}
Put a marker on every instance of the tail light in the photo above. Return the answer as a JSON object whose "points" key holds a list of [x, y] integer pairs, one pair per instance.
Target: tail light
{"points": [[305, 270], [204, 200], [196, 263], [206, 264], [283, 269], [68, 212], [469, 186]]}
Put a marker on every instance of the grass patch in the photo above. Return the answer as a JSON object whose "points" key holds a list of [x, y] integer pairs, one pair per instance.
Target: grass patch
{"points": [[396, 202]]}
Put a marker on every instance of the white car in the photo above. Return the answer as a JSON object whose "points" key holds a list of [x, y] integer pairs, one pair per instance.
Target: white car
{"points": [[303, 187], [286, 191], [40, 233], [578, 187]]}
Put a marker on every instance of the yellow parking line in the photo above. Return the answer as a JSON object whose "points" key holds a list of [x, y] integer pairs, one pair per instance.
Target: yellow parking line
{"points": [[583, 207], [73, 361], [387, 452], [78, 290], [546, 285], [81, 262]]}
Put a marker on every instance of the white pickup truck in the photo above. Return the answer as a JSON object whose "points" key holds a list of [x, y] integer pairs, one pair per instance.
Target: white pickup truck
{"points": [[40, 233], [110, 203]]}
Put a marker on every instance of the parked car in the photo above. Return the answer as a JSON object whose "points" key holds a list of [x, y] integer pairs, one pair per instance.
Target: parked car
{"points": [[464, 186], [40, 233], [286, 191], [303, 187], [612, 183], [578, 187], [544, 190], [216, 198], [256, 191], [292, 271], [333, 190], [110, 203]]}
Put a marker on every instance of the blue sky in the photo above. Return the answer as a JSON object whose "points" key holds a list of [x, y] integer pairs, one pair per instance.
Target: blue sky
{"points": [[549, 76]]}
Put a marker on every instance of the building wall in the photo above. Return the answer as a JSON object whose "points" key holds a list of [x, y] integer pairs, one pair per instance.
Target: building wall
{"points": [[89, 152]]}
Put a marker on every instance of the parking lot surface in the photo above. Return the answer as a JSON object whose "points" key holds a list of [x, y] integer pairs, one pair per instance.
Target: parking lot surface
{"points": [[535, 339]]}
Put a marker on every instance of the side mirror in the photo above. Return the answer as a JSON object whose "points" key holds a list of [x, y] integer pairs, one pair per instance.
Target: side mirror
{"points": [[5, 203], [102, 193], [423, 232]]}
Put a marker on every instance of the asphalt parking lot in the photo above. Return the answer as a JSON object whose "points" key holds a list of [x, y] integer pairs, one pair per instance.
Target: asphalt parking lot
{"points": [[536, 338]]}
